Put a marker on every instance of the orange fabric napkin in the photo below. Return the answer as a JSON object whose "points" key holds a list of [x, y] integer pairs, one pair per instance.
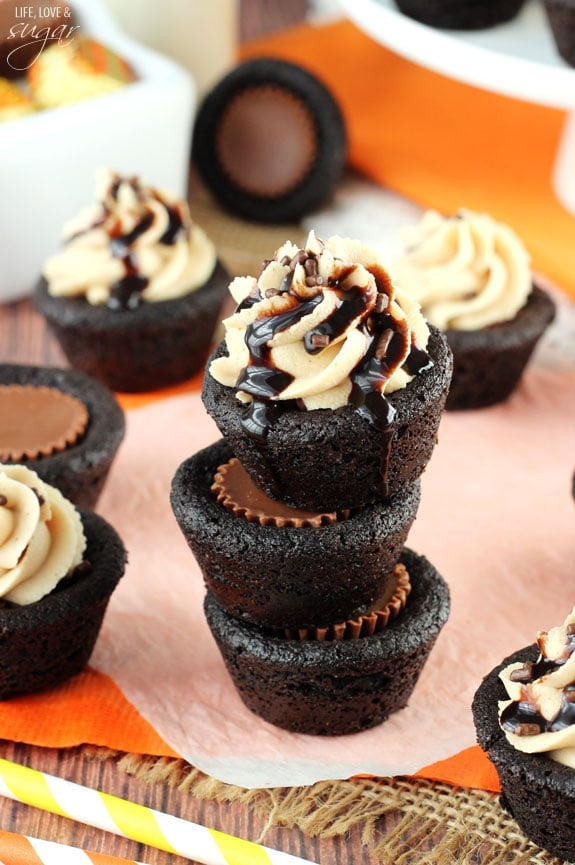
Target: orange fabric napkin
{"points": [[441, 143]]}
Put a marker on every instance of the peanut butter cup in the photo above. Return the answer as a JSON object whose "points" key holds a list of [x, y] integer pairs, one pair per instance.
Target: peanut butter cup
{"points": [[236, 491], [38, 421]]}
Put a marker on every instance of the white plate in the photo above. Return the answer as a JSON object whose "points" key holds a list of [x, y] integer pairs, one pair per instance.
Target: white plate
{"points": [[517, 59]]}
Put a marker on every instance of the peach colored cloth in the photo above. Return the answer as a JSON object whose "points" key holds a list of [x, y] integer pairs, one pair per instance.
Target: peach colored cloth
{"points": [[496, 518], [441, 143]]}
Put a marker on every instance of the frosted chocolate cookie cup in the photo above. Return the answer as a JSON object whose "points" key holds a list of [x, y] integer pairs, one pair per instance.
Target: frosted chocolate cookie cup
{"points": [[524, 713], [472, 277], [66, 426], [316, 570], [334, 687], [488, 363], [52, 604], [135, 294], [329, 386]]}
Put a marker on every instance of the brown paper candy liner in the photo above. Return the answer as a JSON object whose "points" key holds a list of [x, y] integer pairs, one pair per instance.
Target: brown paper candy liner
{"points": [[367, 624], [237, 493], [38, 421]]}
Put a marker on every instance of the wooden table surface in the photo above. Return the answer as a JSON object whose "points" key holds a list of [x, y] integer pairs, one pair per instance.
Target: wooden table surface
{"points": [[25, 339]]}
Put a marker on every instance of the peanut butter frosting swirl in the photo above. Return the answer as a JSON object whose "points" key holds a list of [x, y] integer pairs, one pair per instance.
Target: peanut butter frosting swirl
{"points": [[539, 717], [136, 245], [41, 536], [321, 327], [467, 271]]}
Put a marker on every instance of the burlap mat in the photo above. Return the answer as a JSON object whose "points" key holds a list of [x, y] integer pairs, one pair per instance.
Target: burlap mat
{"points": [[402, 821]]}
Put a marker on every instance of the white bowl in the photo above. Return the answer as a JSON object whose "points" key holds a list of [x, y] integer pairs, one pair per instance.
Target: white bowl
{"points": [[48, 160]]}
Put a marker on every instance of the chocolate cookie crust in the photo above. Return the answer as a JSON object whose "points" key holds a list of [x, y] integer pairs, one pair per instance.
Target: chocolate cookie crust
{"points": [[334, 687], [284, 577], [45, 643], [488, 363], [538, 792], [328, 460], [142, 349], [79, 471]]}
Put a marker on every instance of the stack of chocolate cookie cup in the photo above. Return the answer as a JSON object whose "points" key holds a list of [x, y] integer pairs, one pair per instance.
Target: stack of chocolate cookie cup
{"points": [[323, 617]]}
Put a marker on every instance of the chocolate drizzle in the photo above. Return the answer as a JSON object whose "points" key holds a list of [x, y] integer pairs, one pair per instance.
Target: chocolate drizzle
{"points": [[126, 293]]}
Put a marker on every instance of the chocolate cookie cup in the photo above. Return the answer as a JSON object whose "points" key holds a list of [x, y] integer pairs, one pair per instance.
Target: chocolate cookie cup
{"points": [[78, 469], [538, 792], [47, 642], [135, 350], [488, 363], [331, 459], [288, 577], [334, 687]]}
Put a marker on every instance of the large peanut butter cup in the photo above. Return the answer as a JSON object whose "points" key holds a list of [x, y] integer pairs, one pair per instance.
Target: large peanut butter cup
{"points": [[286, 576], [38, 421]]}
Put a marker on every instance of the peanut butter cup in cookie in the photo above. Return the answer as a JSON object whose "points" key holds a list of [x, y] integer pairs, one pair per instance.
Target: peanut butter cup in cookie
{"points": [[58, 569], [334, 686], [472, 277], [283, 567], [329, 385], [63, 424], [134, 296], [58, 421]]}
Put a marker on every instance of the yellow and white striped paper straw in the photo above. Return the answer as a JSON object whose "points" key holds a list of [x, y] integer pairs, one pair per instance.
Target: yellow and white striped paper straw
{"points": [[130, 820], [25, 850]]}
